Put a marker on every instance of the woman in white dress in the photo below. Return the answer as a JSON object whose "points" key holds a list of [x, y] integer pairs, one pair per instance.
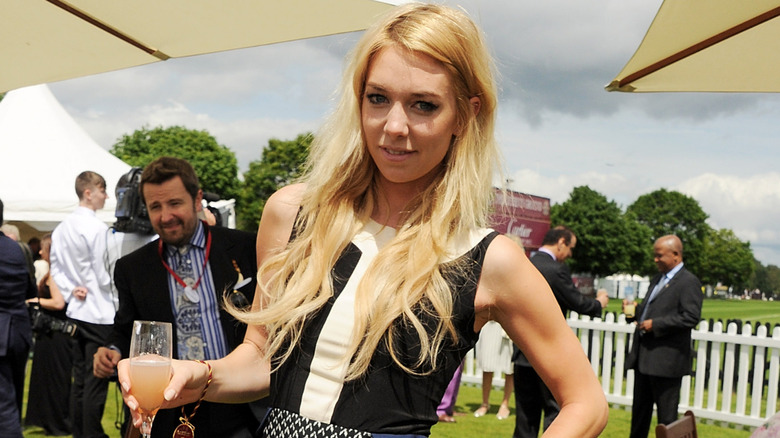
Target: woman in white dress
{"points": [[494, 355]]}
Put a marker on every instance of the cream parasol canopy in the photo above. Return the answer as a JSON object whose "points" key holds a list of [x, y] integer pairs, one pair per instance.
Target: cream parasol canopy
{"points": [[51, 40], [707, 46]]}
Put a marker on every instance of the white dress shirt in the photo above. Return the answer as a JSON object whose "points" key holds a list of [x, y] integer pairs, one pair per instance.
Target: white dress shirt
{"points": [[79, 258]]}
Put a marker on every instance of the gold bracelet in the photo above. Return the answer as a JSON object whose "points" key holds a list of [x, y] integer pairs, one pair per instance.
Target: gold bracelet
{"points": [[186, 429], [205, 388]]}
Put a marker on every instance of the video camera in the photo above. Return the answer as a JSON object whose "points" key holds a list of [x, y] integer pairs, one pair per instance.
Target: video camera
{"points": [[131, 214], [208, 198]]}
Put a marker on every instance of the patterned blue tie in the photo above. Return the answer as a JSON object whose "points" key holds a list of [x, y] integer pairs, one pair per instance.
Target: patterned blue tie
{"points": [[189, 333], [656, 290]]}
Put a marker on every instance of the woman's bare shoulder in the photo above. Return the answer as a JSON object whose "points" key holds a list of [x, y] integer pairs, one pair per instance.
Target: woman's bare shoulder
{"points": [[504, 256], [507, 274], [286, 199], [282, 207], [278, 218]]}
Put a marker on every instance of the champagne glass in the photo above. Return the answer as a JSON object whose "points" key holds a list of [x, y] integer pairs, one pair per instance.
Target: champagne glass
{"points": [[150, 368]]}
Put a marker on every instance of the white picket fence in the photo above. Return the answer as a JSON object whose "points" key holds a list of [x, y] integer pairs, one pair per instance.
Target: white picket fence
{"points": [[735, 377]]}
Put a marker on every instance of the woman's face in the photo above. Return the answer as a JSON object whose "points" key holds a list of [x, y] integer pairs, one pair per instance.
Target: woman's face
{"points": [[45, 249], [408, 115]]}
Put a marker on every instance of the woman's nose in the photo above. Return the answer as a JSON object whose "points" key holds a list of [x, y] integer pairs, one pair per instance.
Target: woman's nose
{"points": [[397, 121]]}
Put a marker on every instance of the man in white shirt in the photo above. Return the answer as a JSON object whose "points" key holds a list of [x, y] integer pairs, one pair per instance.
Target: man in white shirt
{"points": [[79, 266]]}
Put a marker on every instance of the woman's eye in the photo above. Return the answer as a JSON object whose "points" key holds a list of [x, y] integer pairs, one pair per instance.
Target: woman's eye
{"points": [[376, 98], [426, 106]]}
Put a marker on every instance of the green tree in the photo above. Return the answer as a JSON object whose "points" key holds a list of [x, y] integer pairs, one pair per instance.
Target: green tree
{"points": [[215, 164], [641, 254], [281, 163], [607, 241], [765, 278], [727, 260], [759, 279], [773, 279], [671, 212]]}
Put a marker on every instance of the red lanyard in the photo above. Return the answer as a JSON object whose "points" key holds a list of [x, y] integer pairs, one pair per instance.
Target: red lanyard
{"points": [[202, 270]]}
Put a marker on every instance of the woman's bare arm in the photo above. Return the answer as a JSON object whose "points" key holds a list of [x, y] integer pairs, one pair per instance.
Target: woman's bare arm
{"points": [[514, 293], [244, 374], [56, 302]]}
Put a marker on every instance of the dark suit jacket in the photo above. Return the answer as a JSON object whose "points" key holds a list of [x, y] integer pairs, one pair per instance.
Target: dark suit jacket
{"points": [[15, 287], [15, 332], [142, 282], [666, 350], [558, 276]]}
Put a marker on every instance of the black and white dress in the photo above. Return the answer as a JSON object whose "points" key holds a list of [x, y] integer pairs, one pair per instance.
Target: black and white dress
{"points": [[309, 392]]}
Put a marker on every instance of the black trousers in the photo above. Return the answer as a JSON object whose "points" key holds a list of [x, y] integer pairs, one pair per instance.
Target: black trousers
{"points": [[12, 367], [88, 393], [663, 392], [48, 403], [531, 399]]}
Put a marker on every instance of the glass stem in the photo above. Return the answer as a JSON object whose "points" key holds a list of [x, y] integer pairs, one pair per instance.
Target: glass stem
{"points": [[146, 427]]}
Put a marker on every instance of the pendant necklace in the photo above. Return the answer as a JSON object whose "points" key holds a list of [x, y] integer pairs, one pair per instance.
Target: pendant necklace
{"points": [[190, 286]]}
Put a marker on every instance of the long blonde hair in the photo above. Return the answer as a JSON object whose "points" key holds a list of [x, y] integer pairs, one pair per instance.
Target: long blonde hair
{"points": [[404, 279]]}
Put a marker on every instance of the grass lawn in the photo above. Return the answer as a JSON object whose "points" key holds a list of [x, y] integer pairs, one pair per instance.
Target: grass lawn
{"points": [[468, 426], [721, 309], [113, 405]]}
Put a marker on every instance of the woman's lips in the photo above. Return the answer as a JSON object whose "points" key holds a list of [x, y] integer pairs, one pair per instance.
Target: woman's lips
{"points": [[395, 154]]}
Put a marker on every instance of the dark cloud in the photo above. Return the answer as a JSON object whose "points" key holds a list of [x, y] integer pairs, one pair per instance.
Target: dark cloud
{"points": [[556, 57], [695, 107], [536, 90]]}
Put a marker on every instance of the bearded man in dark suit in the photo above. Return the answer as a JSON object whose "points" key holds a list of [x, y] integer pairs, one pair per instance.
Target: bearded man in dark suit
{"points": [[661, 352], [182, 279], [533, 399]]}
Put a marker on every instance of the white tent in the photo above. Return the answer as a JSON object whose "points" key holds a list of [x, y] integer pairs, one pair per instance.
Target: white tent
{"points": [[42, 150]]}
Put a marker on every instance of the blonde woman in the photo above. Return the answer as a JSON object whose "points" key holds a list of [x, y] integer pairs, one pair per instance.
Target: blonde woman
{"points": [[377, 272]]}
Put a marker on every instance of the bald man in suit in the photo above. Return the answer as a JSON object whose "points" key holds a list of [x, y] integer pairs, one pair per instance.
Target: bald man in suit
{"points": [[661, 352]]}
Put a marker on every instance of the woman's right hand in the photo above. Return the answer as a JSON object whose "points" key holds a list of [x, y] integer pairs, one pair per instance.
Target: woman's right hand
{"points": [[188, 379]]}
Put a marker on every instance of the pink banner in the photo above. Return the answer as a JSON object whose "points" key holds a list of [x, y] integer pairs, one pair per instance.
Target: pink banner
{"points": [[522, 215]]}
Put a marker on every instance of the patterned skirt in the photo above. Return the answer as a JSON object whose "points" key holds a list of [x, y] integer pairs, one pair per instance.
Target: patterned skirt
{"points": [[280, 423]]}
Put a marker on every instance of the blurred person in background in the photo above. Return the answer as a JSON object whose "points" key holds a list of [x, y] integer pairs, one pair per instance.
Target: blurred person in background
{"points": [[662, 351], [534, 402], [48, 403], [16, 285], [79, 266]]}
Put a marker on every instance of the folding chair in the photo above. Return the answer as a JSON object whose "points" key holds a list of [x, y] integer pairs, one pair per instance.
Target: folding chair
{"points": [[685, 427]]}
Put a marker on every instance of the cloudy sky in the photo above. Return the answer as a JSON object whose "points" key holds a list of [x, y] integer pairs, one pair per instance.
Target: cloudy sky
{"points": [[557, 126]]}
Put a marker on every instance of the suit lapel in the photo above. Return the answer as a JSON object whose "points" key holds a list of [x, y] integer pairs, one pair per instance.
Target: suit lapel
{"points": [[664, 291], [667, 285], [225, 276], [156, 289], [222, 269]]}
